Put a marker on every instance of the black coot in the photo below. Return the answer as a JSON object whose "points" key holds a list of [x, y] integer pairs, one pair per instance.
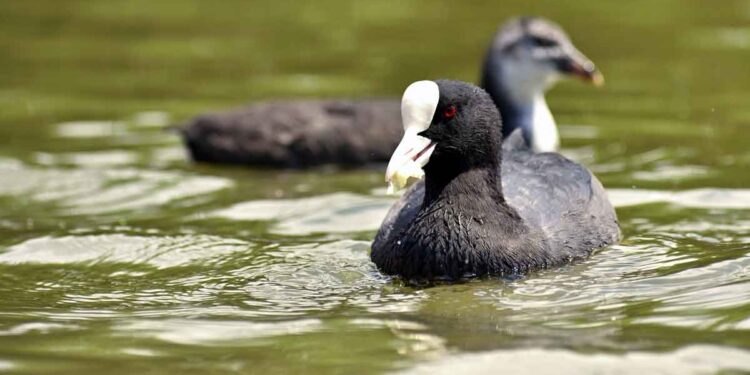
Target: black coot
{"points": [[526, 57], [477, 213]]}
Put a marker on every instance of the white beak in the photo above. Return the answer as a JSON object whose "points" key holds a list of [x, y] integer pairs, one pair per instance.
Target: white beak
{"points": [[418, 106]]}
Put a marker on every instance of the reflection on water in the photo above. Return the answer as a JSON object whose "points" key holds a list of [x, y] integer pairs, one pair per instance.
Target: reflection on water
{"points": [[196, 332], [333, 213], [160, 252], [698, 198], [101, 191], [692, 359], [90, 129], [118, 255]]}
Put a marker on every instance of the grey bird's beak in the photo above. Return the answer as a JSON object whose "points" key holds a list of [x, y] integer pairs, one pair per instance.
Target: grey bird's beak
{"points": [[575, 63]]}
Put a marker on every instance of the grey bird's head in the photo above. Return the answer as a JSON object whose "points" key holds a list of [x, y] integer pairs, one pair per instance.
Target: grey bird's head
{"points": [[531, 54]]}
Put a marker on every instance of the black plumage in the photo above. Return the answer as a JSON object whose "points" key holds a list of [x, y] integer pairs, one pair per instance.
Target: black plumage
{"points": [[482, 211], [297, 134]]}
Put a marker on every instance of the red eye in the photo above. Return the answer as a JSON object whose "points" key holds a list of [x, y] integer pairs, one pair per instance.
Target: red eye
{"points": [[449, 112]]}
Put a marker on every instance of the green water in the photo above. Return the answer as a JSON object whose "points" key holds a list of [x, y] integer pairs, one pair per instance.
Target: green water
{"points": [[120, 256]]}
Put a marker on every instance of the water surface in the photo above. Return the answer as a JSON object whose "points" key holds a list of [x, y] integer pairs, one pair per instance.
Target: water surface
{"points": [[119, 255]]}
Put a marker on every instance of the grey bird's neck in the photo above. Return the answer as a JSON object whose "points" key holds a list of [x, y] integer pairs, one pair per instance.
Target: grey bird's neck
{"points": [[521, 104]]}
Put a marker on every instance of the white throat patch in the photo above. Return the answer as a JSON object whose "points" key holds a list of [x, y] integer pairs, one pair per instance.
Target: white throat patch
{"points": [[544, 136]]}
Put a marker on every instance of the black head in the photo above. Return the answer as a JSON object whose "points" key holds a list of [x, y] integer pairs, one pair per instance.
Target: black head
{"points": [[449, 127], [465, 128]]}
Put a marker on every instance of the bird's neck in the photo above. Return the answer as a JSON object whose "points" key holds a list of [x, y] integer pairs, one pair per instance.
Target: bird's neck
{"points": [[522, 105], [474, 185], [539, 127]]}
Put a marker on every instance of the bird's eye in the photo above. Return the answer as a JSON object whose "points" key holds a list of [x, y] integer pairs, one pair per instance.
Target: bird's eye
{"points": [[543, 42], [449, 112]]}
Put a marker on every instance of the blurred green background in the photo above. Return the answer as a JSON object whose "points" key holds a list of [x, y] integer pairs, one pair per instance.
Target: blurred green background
{"points": [[668, 62]]}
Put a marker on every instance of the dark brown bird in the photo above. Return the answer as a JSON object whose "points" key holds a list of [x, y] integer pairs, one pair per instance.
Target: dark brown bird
{"points": [[526, 57]]}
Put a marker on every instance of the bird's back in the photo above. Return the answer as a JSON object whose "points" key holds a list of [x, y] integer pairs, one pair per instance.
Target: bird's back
{"points": [[562, 198], [297, 133]]}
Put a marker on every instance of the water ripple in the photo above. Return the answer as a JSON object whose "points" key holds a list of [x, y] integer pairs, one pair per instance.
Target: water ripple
{"points": [[689, 360], [213, 333], [160, 252], [331, 213], [104, 191], [699, 198]]}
